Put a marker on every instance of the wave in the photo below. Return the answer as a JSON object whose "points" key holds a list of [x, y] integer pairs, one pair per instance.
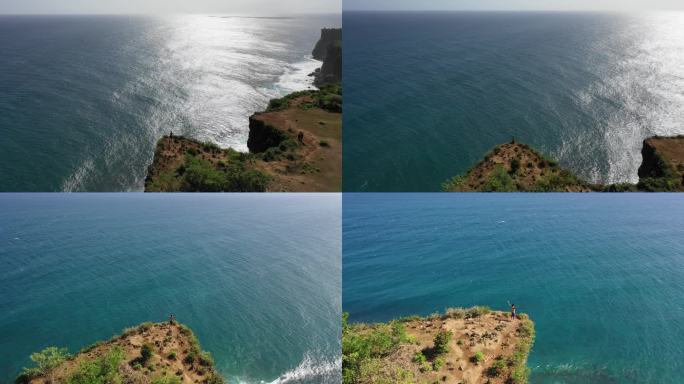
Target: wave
{"points": [[297, 77], [312, 370]]}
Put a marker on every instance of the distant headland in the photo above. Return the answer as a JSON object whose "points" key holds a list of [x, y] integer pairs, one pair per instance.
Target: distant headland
{"points": [[516, 167], [295, 145], [475, 345], [154, 353]]}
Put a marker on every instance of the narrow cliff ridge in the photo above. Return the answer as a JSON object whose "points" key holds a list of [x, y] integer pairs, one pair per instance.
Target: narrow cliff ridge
{"points": [[295, 145], [516, 167], [329, 51], [154, 353], [472, 346]]}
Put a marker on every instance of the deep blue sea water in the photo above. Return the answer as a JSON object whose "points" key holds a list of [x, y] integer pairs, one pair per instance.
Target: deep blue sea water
{"points": [[428, 94], [83, 99], [256, 276], [601, 275]]}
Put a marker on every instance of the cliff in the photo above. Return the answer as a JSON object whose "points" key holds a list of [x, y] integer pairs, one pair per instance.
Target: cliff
{"points": [[156, 353], [472, 346], [295, 146], [662, 166], [328, 49], [516, 167]]}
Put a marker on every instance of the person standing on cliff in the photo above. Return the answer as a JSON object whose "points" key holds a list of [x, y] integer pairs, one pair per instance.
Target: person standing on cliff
{"points": [[171, 319], [513, 314]]}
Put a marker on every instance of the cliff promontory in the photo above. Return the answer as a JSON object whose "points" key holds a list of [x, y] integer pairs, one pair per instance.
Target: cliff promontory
{"points": [[516, 167], [295, 145], [472, 346], [151, 353]]}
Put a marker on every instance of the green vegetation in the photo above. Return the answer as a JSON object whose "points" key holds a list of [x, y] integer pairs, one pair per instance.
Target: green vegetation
{"points": [[103, 370], [477, 358], [499, 181], [362, 344], [45, 360], [453, 183], [557, 182], [328, 97], [442, 339]]}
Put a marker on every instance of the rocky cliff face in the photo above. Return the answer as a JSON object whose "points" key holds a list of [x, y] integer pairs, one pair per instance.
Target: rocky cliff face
{"points": [[262, 135], [329, 50], [328, 36]]}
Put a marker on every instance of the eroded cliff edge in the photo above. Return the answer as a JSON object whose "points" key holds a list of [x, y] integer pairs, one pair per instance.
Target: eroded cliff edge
{"points": [[516, 167], [155, 353]]}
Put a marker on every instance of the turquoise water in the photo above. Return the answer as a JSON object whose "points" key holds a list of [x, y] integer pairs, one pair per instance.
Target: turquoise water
{"points": [[601, 275], [257, 277], [84, 99], [427, 94]]}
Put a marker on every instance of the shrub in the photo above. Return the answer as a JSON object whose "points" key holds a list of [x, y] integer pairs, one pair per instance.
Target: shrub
{"points": [[455, 313], [45, 360], [477, 358], [172, 355], [515, 166], [437, 364], [477, 311], [441, 341], [498, 368], [499, 181], [205, 359], [190, 358], [419, 358], [145, 354]]}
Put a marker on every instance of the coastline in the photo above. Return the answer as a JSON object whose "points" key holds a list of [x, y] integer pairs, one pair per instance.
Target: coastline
{"points": [[294, 145], [517, 167]]}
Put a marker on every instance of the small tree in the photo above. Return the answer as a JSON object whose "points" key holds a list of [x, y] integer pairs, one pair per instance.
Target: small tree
{"points": [[49, 358], [441, 341]]}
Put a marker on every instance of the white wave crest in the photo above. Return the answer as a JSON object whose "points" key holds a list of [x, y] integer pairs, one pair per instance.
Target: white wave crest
{"points": [[312, 370]]}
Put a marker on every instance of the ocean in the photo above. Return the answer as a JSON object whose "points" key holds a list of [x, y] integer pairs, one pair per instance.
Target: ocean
{"points": [[427, 94], [601, 275], [84, 99], [256, 276]]}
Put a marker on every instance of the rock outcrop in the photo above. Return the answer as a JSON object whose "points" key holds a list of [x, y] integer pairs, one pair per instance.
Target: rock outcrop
{"points": [[329, 51], [663, 158]]}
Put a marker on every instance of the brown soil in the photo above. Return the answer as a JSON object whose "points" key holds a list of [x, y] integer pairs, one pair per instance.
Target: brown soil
{"points": [[164, 338], [318, 168], [493, 334]]}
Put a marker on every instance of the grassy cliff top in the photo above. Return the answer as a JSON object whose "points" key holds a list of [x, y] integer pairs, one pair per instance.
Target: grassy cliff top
{"points": [[151, 353], [474, 345], [295, 146], [516, 167]]}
